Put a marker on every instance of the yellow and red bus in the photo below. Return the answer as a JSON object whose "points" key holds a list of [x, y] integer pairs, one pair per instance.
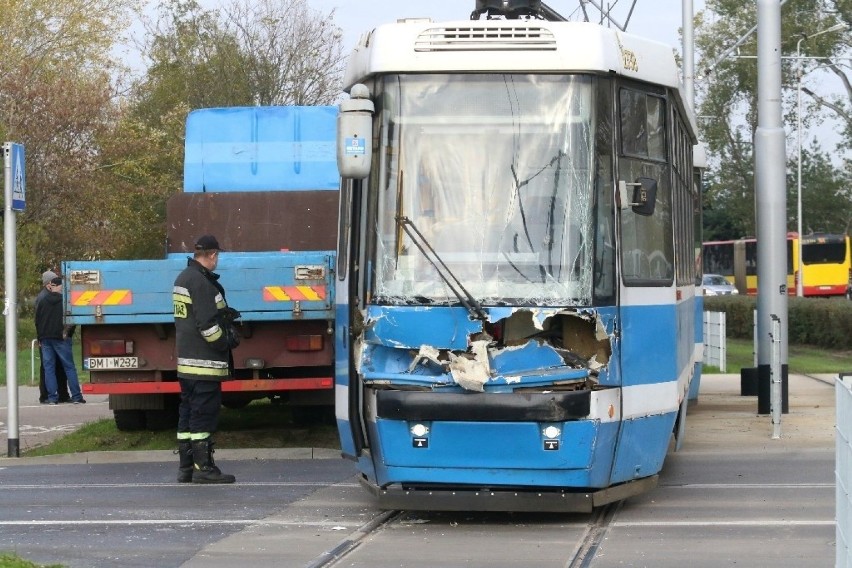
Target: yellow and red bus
{"points": [[826, 263]]}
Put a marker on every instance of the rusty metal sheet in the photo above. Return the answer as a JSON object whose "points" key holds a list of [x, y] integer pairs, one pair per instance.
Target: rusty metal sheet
{"points": [[254, 222]]}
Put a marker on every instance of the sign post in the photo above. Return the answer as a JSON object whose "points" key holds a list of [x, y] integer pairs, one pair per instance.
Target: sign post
{"points": [[14, 199]]}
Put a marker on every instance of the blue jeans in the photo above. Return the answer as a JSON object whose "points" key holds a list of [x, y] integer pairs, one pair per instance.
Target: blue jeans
{"points": [[51, 351]]}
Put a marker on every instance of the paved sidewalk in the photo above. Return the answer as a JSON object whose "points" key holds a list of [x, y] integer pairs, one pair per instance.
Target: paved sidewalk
{"points": [[723, 417], [40, 424]]}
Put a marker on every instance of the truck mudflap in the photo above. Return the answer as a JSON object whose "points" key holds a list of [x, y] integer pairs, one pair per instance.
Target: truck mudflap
{"points": [[522, 499], [248, 385]]}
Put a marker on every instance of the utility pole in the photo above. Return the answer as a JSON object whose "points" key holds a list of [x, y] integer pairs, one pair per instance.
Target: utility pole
{"points": [[770, 209]]}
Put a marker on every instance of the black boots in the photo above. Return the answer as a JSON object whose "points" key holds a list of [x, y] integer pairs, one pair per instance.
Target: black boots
{"points": [[205, 469], [185, 469]]}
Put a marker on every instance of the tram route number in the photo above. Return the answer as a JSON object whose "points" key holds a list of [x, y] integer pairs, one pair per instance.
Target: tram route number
{"points": [[551, 445], [96, 363]]}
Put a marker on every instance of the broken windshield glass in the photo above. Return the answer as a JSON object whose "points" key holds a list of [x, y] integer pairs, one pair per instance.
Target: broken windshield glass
{"points": [[496, 172]]}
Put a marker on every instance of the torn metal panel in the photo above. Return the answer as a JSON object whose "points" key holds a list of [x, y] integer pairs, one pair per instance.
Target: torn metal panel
{"points": [[469, 374], [410, 327], [471, 370], [532, 356], [426, 354], [529, 348]]}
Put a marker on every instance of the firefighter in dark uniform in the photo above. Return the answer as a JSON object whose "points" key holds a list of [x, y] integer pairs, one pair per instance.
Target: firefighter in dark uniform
{"points": [[205, 336]]}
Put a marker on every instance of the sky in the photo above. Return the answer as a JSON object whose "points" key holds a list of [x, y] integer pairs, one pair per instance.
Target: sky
{"points": [[660, 20], [657, 19]]}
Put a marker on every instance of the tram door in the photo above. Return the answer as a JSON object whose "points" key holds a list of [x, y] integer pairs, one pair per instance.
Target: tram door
{"points": [[349, 402], [646, 228], [647, 320]]}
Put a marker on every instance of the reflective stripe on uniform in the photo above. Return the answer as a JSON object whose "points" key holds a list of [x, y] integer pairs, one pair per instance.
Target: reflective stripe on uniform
{"points": [[220, 302], [211, 334], [181, 294], [202, 367], [181, 298]]}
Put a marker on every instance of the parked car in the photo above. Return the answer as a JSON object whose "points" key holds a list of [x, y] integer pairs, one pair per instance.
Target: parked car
{"points": [[717, 285]]}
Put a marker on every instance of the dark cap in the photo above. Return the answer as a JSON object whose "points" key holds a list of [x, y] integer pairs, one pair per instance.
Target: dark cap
{"points": [[207, 242]]}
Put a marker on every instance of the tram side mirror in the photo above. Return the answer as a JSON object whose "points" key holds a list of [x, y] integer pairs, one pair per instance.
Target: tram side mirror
{"points": [[640, 195], [354, 134]]}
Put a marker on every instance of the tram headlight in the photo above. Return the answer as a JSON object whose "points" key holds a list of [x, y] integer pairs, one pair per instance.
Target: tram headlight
{"points": [[551, 432], [419, 436], [419, 430]]}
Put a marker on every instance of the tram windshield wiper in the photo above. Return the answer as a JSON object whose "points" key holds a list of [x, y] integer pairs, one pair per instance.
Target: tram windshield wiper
{"points": [[467, 300]]}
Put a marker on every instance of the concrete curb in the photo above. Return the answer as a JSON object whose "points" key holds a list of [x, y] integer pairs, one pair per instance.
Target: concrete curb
{"points": [[83, 458]]}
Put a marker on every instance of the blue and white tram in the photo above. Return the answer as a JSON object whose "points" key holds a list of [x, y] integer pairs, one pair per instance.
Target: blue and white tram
{"points": [[516, 299]]}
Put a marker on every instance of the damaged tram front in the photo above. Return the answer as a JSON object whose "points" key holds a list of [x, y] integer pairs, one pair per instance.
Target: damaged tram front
{"points": [[515, 315]]}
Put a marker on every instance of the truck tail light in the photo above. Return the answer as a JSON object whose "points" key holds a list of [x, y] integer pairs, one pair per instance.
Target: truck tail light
{"points": [[304, 343], [102, 347]]}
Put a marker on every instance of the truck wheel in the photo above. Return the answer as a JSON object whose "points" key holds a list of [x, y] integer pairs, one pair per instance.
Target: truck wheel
{"points": [[129, 420]]}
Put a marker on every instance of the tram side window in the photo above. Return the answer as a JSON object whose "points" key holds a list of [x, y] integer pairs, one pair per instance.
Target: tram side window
{"points": [[647, 241], [605, 248], [719, 258], [682, 190], [643, 125]]}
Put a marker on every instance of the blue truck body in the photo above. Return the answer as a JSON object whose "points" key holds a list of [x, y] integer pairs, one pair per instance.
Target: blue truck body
{"points": [[264, 181]]}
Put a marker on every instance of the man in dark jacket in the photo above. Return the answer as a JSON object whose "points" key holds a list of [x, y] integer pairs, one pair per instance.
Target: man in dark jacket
{"points": [[61, 379], [55, 341], [205, 335]]}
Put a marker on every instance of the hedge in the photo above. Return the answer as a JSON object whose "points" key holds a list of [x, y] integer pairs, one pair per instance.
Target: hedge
{"points": [[821, 322]]}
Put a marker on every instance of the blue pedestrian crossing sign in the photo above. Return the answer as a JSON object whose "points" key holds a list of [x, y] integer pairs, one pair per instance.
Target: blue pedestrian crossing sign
{"points": [[16, 180]]}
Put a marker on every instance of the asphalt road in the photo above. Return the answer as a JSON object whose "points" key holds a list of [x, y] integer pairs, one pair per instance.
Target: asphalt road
{"points": [[731, 497]]}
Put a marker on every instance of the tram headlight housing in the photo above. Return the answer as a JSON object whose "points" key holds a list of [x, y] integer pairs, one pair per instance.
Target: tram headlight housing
{"points": [[419, 435], [419, 430]]}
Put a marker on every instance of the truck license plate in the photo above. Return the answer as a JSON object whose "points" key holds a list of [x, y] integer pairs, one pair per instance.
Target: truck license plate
{"points": [[95, 363]]}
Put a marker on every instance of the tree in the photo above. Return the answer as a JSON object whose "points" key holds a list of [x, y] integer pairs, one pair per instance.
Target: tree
{"points": [[268, 52], [728, 94], [142, 165], [294, 54], [71, 33], [56, 98], [826, 195]]}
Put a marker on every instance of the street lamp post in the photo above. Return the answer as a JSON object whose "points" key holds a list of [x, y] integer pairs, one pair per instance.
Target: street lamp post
{"points": [[800, 267]]}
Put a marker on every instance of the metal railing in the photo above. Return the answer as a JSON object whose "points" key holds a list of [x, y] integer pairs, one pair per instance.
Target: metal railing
{"points": [[715, 340], [842, 470], [33, 350]]}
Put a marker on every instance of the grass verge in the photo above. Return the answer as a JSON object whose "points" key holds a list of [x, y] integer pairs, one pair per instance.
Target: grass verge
{"points": [[261, 424], [802, 359], [9, 560]]}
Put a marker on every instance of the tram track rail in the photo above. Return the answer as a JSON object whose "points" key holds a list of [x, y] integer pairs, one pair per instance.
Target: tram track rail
{"points": [[582, 556], [352, 541], [599, 524]]}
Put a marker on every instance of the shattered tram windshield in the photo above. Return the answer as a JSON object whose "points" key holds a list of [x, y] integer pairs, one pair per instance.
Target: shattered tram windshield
{"points": [[496, 172]]}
